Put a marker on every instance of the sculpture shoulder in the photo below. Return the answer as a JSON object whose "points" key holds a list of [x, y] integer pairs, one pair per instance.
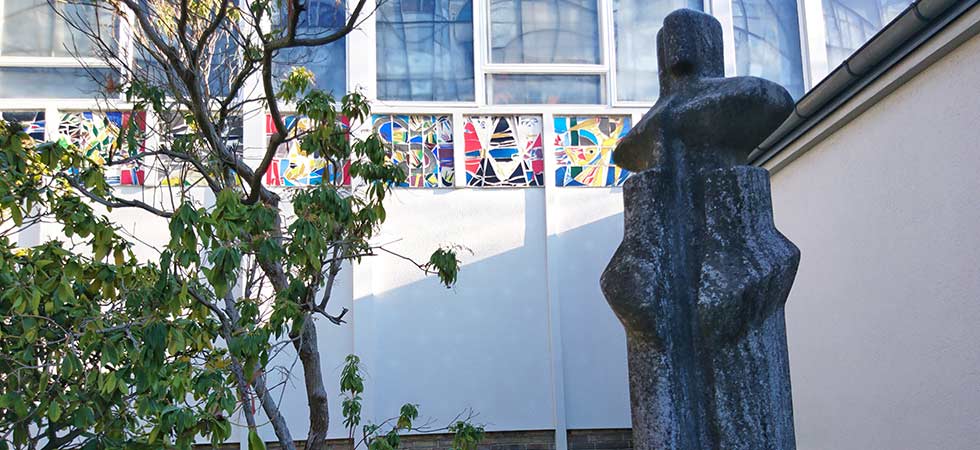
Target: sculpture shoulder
{"points": [[639, 149]]}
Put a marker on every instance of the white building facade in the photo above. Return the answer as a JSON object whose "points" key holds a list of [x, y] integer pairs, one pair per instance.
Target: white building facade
{"points": [[525, 338]]}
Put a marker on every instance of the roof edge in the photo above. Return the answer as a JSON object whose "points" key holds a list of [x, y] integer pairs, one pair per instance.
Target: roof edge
{"points": [[904, 34]]}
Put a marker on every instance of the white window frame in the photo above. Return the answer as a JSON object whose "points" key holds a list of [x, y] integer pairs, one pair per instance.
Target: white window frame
{"points": [[367, 62], [125, 44], [602, 69]]}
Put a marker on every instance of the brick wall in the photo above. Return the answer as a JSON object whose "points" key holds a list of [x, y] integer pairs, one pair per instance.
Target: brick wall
{"points": [[607, 439]]}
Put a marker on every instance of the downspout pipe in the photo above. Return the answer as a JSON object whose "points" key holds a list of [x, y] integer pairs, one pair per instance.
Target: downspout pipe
{"points": [[912, 27]]}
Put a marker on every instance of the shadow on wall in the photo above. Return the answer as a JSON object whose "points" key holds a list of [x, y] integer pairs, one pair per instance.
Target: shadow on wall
{"points": [[486, 343]]}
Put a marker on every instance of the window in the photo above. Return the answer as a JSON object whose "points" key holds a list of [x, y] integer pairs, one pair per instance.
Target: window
{"points": [[851, 23], [327, 62], [32, 33], [636, 25], [508, 89], [425, 50], [545, 52], [767, 42], [47, 82], [34, 28], [421, 145], [544, 32], [583, 150], [504, 151]]}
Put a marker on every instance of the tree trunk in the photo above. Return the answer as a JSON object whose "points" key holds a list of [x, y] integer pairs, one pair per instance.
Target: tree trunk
{"points": [[316, 392]]}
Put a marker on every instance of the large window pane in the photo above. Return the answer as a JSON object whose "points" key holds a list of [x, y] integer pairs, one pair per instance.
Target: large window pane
{"points": [[39, 82], [33, 28], [544, 31], [327, 62], [850, 23], [637, 23], [545, 89], [767, 42], [425, 50]]}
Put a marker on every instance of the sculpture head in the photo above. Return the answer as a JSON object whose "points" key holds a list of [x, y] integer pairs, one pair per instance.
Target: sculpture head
{"points": [[689, 46]]}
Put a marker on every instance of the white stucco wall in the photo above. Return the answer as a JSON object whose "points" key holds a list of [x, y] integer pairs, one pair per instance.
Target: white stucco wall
{"points": [[884, 319]]}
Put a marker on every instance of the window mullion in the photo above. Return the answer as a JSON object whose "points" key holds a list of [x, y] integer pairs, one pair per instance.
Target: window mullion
{"points": [[481, 45], [3, 20], [607, 31], [813, 33], [722, 10], [572, 69]]}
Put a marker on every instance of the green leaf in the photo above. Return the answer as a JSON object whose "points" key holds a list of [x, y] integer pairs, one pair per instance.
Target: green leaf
{"points": [[254, 441], [17, 216], [54, 411]]}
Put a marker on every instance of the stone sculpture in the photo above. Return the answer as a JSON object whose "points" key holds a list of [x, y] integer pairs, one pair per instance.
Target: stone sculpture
{"points": [[702, 275]]}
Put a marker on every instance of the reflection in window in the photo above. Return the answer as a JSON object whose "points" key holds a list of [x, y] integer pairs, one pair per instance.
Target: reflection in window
{"points": [[545, 89], [767, 42], [637, 23], [851, 23], [425, 50], [544, 31], [34, 28], [46, 82], [327, 62]]}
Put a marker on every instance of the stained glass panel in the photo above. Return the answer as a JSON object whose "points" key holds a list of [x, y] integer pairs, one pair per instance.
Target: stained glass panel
{"points": [[175, 134], [293, 166], [583, 150], [32, 121], [96, 134], [422, 145], [504, 151]]}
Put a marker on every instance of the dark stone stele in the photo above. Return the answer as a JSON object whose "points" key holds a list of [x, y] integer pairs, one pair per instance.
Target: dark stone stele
{"points": [[702, 275]]}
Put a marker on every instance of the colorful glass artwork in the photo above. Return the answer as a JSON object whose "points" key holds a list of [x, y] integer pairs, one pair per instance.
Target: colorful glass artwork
{"points": [[32, 121], [95, 133], [583, 150], [172, 128], [421, 145], [504, 151], [292, 166]]}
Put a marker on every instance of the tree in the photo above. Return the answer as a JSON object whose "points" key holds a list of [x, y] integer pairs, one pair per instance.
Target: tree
{"points": [[102, 350]]}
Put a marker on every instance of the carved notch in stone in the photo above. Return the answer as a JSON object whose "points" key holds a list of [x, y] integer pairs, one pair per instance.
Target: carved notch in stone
{"points": [[701, 277]]}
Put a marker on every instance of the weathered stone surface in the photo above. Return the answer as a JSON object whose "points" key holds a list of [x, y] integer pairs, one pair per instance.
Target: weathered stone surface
{"points": [[701, 277]]}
